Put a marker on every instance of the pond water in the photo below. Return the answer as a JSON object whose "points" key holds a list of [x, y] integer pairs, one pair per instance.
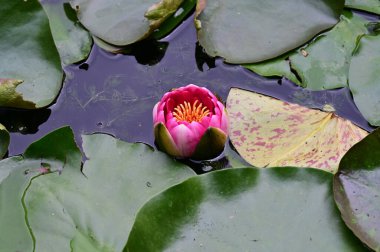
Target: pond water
{"points": [[115, 94]]}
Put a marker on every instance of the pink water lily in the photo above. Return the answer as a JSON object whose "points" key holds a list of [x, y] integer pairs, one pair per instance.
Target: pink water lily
{"points": [[190, 122]]}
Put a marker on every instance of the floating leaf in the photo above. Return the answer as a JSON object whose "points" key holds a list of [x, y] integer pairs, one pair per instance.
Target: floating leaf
{"points": [[4, 140], [268, 132], [123, 22], [265, 29], [29, 59], [95, 211], [366, 5], [323, 63], [357, 189], [364, 78], [49, 154], [244, 209], [72, 41]]}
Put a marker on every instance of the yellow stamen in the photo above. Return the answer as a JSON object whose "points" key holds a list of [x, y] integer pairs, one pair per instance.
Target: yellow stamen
{"points": [[188, 113]]}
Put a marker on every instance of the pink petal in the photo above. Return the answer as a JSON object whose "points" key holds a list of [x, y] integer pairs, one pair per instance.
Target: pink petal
{"points": [[215, 121], [155, 113], [184, 139]]}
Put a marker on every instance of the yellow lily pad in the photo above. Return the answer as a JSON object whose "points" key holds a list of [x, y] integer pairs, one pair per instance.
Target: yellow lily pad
{"points": [[268, 132]]}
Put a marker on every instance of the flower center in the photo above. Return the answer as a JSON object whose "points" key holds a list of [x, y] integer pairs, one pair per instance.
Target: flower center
{"points": [[186, 112]]}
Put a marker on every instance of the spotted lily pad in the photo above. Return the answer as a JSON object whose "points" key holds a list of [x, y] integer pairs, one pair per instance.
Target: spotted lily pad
{"points": [[30, 67], [366, 5], [245, 209], [123, 22], [247, 31], [72, 40], [357, 189], [323, 63], [364, 78], [268, 132], [94, 209]]}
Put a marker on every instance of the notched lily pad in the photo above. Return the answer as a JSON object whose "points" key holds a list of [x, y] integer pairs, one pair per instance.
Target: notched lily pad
{"points": [[247, 31], [95, 210], [123, 22], [357, 189], [268, 132], [324, 62], [49, 154], [244, 209], [28, 55], [364, 78]]}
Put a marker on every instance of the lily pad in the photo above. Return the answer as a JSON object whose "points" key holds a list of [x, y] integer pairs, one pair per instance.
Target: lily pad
{"points": [[268, 132], [366, 5], [244, 209], [4, 140], [72, 40], [94, 211], [323, 63], [357, 189], [247, 31], [30, 62], [123, 22], [364, 78], [49, 154]]}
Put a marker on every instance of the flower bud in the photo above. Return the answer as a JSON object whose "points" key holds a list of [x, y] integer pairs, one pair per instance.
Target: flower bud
{"points": [[190, 122]]}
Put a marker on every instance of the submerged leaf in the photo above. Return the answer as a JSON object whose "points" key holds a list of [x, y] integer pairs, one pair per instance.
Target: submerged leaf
{"points": [[364, 78], [246, 31], [27, 54], [268, 132], [123, 22], [357, 189]]}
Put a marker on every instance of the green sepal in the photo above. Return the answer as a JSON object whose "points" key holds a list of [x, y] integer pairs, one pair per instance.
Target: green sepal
{"points": [[211, 144], [164, 140]]}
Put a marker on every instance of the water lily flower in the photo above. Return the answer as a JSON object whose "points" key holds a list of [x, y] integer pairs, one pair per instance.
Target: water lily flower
{"points": [[190, 122]]}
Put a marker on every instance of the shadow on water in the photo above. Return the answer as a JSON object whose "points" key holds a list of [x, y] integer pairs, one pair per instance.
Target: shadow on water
{"points": [[115, 94]]}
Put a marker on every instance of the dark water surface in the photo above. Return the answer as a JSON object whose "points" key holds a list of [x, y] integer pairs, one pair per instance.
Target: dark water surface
{"points": [[115, 94]]}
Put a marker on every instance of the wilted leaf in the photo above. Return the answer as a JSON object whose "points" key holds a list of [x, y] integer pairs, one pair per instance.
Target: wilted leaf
{"points": [[323, 63], [245, 209], [72, 41], [29, 58], [357, 189], [246, 31], [366, 5], [4, 140], [268, 132], [123, 22], [364, 78], [95, 211], [49, 154]]}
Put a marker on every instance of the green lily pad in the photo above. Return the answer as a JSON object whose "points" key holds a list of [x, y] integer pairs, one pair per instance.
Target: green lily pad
{"points": [[29, 59], [323, 63], [49, 154], [364, 78], [357, 189], [244, 209], [247, 31], [94, 211], [72, 41], [123, 22], [366, 5], [4, 140]]}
